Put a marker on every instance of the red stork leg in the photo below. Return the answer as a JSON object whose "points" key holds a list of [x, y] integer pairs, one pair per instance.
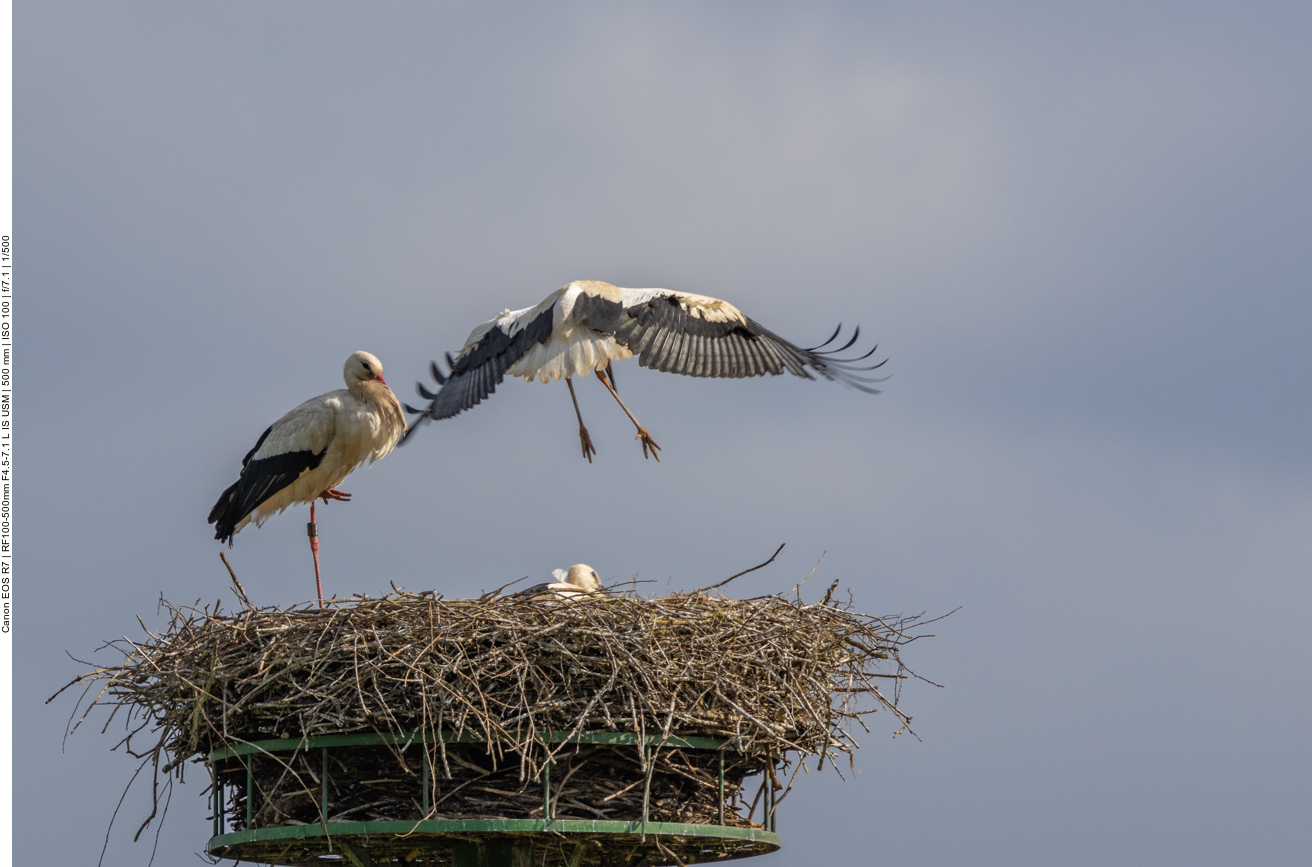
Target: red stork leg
{"points": [[588, 449], [312, 529], [647, 441]]}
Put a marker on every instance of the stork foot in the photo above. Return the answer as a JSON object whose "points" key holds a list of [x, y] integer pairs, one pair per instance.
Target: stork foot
{"points": [[334, 494], [648, 443], [586, 441]]}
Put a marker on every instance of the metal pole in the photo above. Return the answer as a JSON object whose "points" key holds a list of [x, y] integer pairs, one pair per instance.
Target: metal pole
{"points": [[250, 790], [323, 797], [214, 800], [646, 788], [721, 752], [546, 790], [426, 780]]}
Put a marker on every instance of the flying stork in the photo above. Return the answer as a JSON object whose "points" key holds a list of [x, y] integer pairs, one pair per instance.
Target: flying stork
{"points": [[588, 324], [307, 453], [580, 582]]}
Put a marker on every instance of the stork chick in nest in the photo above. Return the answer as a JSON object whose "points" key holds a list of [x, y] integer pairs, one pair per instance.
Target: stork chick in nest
{"points": [[580, 582]]}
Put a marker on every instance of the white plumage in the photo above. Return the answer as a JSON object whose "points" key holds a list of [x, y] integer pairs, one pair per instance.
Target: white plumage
{"points": [[580, 582], [588, 324], [311, 450]]}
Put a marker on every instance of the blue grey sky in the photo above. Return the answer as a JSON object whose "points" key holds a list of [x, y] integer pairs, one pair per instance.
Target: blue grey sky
{"points": [[1080, 234]]}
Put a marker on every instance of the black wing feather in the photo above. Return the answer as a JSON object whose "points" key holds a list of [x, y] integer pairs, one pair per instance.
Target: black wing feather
{"points": [[259, 442], [530, 592], [260, 480], [477, 374], [666, 337]]}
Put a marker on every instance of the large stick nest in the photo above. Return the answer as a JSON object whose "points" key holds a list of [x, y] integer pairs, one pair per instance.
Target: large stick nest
{"points": [[773, 675]]}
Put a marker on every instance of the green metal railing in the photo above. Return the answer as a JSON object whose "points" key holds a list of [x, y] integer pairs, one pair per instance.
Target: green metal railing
{"points": [[230, 843]]}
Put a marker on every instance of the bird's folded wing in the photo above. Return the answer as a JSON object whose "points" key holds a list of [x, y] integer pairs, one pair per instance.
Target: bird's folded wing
{"points": [[531, 592], [264, 477], [255, 448], [293, 444], [309, 427]]}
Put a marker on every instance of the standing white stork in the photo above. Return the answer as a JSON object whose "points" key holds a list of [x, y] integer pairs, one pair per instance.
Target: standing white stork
{"points": [[311, 450], [588, 324]]}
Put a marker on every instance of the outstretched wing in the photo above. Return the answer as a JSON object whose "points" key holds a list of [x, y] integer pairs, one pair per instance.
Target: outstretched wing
{"points": [[482, 364], [694, 335]]}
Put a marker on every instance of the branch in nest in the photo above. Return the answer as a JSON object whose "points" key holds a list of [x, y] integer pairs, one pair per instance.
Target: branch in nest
{"points": [[745, 571]]}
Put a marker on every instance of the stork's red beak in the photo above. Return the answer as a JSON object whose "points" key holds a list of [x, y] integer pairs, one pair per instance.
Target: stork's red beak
{"points": [[379, 377]]}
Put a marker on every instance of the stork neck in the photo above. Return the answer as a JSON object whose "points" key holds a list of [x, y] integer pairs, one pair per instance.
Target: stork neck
{"points": [[372, 391]]}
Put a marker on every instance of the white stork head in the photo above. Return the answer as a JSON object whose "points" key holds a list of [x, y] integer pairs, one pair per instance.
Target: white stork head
{"points": [[363, 373], [362, 367]]}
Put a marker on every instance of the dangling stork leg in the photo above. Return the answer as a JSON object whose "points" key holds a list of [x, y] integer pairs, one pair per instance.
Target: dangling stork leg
{"points": [[312, 529], [588, 449], [647, 441]]}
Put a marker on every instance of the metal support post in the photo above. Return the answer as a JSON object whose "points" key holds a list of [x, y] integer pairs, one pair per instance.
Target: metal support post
{"points": [[646, 787], [214, 799], [427, 781], [323, 794], [721, 755], [546, 790]]}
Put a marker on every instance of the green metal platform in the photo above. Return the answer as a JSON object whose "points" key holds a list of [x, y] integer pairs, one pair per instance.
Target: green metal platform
{"points": [[485, 842]]}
